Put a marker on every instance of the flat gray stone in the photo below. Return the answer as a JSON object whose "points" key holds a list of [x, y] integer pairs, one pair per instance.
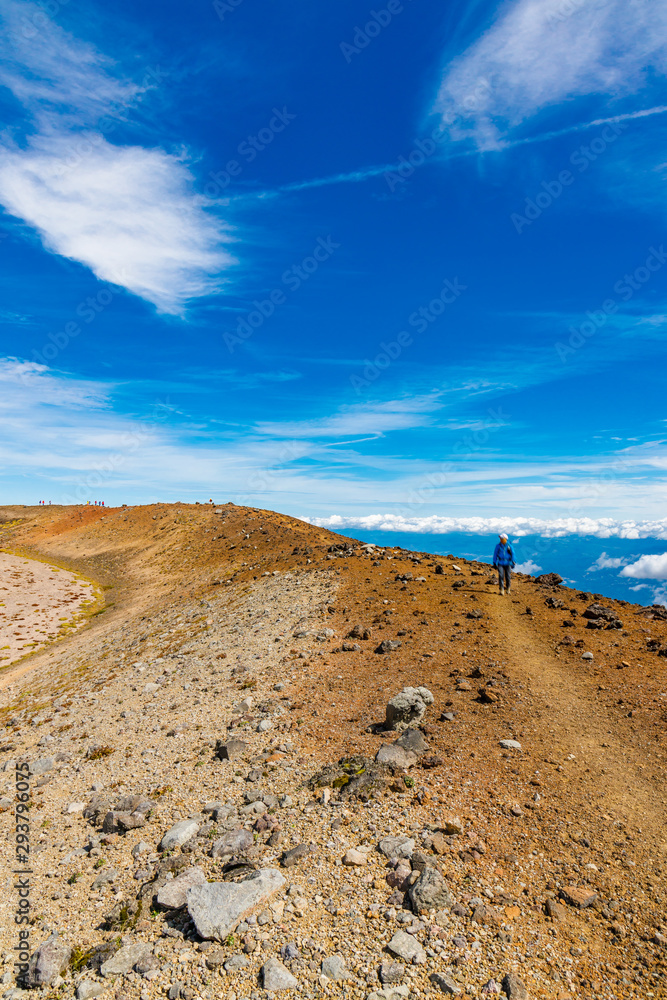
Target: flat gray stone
{"points": [[42, 765], [389, 993], [234, 842], [390, 972], [445, 984], [173, 894], [179, 834], [217, 907], [237, 962], [89, 988], [407, 947], [412, 740], [334, 968], [397, 847], [125, 959], [276, 977], [430, 892], [396, 756], [514, 988], [510, 744], [47, 962], [293, 856]]}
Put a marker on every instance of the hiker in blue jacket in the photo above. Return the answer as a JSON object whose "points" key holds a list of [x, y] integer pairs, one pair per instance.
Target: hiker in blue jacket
{"points": [[503, 560]]}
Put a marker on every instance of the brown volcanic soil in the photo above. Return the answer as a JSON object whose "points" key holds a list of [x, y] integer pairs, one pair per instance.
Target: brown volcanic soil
{"points": [[583, 803]]}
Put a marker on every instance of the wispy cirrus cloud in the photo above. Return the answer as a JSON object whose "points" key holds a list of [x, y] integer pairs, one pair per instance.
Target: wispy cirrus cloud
{"points": [[536, 57], [129, 213]]}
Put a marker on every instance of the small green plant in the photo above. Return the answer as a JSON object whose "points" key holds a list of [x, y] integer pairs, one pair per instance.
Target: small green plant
{"points": [[409, 782], [74, 877], [100, 863], [229, 940]]}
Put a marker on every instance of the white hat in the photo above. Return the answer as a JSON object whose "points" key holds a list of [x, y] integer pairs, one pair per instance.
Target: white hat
{"points": [[502, 535]]}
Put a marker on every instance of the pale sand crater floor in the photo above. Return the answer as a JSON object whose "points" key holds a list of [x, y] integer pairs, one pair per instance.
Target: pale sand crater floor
{"points": [[38, 603]]}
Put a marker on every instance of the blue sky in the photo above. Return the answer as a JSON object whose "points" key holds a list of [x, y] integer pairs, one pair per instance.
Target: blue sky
{"points": [[404, 260]]}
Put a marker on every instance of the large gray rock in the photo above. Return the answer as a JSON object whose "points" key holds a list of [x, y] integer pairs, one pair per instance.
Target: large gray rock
{"points": [[276, 977], [42, 765], [45, 965], [407, 947], [179, 834], [430, 892], [395, 756], [125, 959], [445, 984], [397, 847], [230, 843], [390, 972], [90, 988], [217, 907], [514, 988], [334, 968], [408, 708], [412, 740], [173, 894]]}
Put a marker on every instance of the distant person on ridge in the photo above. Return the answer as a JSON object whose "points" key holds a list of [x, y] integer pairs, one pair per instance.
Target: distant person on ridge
{"points": [[503, 560]]}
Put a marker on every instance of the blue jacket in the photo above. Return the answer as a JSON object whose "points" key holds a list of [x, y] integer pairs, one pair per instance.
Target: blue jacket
{"points": [[503, 555]]}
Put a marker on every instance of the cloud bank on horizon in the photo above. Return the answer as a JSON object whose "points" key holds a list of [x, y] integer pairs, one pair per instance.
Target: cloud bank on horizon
{"points": [[516, 526]]}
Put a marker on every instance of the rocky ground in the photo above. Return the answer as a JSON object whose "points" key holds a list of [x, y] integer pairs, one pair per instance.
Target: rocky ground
{"points": [[218, 809]]}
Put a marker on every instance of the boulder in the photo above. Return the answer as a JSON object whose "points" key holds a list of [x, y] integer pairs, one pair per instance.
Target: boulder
{"points": [[125, 959], [179, 834], [412, 740], [173, 894], [395, 756], [407, 947], [513, 987], [408, 708], [445, 984], [388, 646], [397, 847], [47, 962], [233, 842], [334, 968], [276, 977], [90, 988], [430, 892], [217, 907]]}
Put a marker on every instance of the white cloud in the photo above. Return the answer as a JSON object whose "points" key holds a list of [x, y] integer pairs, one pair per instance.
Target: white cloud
{"points": [[528, 567], [535, 56], [604, 561], [363, 419], [129, 213], [648, 568], [518, 526]]}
